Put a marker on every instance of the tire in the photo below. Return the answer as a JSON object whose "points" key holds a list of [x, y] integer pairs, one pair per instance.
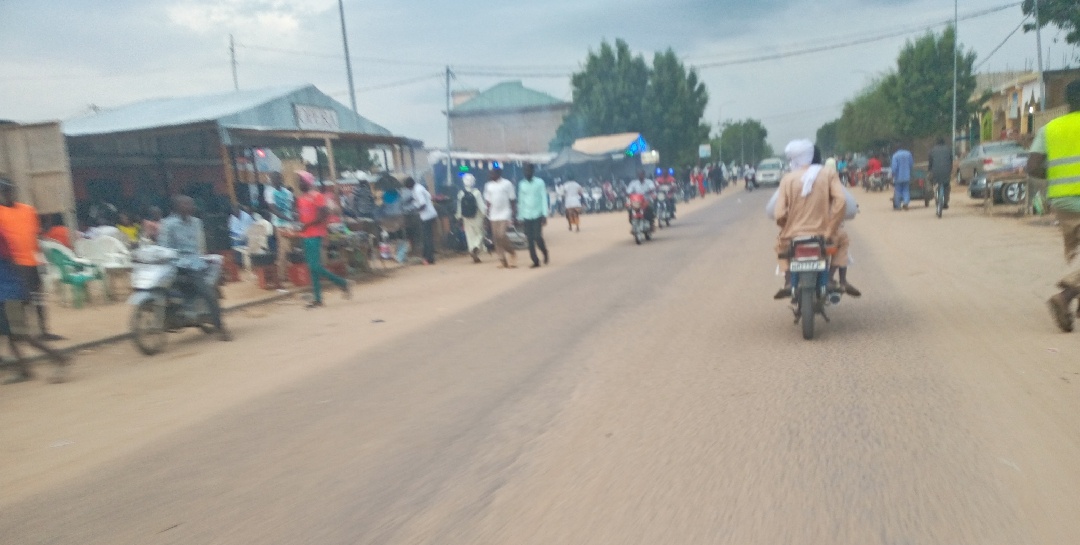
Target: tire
{"points": [[1013, 193], [637, 238], [148, 328], [806, 310]]}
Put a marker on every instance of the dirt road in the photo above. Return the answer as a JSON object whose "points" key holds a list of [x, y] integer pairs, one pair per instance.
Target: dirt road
{"points": [[624, 394]]}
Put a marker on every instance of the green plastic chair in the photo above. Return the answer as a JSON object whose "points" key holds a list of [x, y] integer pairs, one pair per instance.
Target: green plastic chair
{"points": [[74, 274]]}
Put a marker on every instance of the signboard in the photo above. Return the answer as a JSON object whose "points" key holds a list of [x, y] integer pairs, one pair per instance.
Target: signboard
{"points": [[650, 157], [704, 151], [313, 118]]}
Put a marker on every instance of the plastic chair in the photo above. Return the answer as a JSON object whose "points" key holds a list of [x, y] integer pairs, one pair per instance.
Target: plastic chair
{"points": [[257, 244], [75, 274]]}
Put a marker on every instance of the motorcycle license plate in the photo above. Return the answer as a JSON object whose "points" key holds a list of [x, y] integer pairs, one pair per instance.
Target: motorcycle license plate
{"points": [[807, 266]]}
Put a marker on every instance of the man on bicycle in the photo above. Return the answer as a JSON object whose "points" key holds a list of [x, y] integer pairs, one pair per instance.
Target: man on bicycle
{"points": [[941, 168]]}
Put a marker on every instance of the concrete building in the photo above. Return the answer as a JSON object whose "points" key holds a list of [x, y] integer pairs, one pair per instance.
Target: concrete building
{"points": [[1011, 106], [507, 118]]}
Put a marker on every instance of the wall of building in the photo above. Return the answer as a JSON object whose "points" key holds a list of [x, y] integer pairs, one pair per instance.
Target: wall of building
{"points": [[36, 159], [507, 132]]}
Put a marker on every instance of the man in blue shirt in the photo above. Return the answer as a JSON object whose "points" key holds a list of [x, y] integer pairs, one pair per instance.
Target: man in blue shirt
{"points": [[532, 208], [902, 162]]}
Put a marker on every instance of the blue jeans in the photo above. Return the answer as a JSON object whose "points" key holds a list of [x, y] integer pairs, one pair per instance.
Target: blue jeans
{"points": [[901, 194]]}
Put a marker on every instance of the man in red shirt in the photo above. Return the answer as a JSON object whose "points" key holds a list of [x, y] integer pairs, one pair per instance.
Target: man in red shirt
{"points": [[313, 214], [20, 225], [873, 166]]}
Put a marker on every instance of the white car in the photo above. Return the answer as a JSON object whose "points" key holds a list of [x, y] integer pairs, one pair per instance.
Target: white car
{"points": [[769, 172]]}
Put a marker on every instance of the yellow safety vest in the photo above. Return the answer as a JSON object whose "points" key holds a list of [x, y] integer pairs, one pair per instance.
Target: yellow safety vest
{"points": [[1063, 156]]}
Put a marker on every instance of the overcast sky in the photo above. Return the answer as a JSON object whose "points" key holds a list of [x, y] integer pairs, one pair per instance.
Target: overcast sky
{"points": [[58, 57]]}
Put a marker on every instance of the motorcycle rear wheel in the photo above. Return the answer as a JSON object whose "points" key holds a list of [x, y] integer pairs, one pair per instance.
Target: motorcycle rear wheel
{"points": [[806, 308], [148, 328]]}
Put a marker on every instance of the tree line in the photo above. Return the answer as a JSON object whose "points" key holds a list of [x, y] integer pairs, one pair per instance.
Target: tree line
{"points": [[617, 91]]}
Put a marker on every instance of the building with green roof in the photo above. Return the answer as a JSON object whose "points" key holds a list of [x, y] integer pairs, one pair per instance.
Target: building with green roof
{"points": [[507, 118]]}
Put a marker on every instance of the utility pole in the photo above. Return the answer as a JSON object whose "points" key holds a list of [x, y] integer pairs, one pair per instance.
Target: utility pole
{"points": [[955, 68], [449, 143], [1038, 44], [232, 58], [742, 144], [348, 60]]}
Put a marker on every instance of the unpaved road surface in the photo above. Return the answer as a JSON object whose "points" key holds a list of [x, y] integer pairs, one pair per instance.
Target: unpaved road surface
{"points": [[629, 395]]}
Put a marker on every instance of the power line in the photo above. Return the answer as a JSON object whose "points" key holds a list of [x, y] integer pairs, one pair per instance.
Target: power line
{"points": [[1000, 45], [851, 43]]}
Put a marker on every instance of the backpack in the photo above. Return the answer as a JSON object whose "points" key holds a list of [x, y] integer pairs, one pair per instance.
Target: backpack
{"points": [[469, 206]]}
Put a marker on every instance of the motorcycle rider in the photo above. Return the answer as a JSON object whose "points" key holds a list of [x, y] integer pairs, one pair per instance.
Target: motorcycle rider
{"points": [[183, 232], [842, 257], [810, 202], [644, 187], [666, 184]]}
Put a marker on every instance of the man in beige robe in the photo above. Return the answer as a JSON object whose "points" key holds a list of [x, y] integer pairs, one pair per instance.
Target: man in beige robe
{"points": [[810, 202]]}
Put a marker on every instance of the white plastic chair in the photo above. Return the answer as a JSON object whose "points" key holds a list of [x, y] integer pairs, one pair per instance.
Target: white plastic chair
{"points": [[258, 243]]}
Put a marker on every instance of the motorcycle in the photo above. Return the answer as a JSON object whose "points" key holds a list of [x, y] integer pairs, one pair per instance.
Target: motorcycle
{"points": [[597, 198], [166, 295], [810, 262], [664, 206], [611, 197], [640, 225]]}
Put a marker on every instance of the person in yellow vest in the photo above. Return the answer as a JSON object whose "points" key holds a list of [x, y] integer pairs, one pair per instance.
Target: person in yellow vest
{"points": [[1055, 157]]}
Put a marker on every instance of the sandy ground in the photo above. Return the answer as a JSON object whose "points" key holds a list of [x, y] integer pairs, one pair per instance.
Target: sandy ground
{"points": [[624, 394]]}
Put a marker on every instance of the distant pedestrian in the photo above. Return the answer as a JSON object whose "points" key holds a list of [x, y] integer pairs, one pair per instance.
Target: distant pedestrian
{"points": [[941, 168], [423, 205], [471, 214], [573, 194], [533, 211], [20, 225], [501, 202], [901, 164], [313, 213], [1055, 157], [716, 178]]}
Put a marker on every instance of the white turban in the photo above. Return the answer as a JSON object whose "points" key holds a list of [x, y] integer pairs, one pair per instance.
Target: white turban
{"points": [[469, 180], [800, 154]]}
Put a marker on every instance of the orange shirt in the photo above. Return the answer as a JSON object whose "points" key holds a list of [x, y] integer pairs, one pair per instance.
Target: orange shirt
{"points": [[60, 234], [307, 207], [20, 226]]}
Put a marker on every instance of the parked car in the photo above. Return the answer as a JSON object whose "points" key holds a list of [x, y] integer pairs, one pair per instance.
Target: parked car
{"points": [[769, 172], [1004, 192], [991, 157]]}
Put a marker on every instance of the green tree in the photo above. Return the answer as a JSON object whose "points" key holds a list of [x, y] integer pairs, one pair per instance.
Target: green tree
{"points": [[607, 93], [922, 89], [744, 142], [828, 137], [617, 91], [868, 120], [674, 105], [1064, 14]]}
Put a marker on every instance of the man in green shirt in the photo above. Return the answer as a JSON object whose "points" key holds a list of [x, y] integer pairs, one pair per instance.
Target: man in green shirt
{"points": [[532, 208]]}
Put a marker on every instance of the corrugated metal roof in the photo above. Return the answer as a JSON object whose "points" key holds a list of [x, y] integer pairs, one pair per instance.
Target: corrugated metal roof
{"points": [[262, 109], [610, 143], [509, 95]]}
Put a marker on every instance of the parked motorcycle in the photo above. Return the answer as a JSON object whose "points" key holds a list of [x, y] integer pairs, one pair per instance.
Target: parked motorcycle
{"points": [[597, 198], [810, 261], [640, 226], [167, 297], [611, 197]]}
